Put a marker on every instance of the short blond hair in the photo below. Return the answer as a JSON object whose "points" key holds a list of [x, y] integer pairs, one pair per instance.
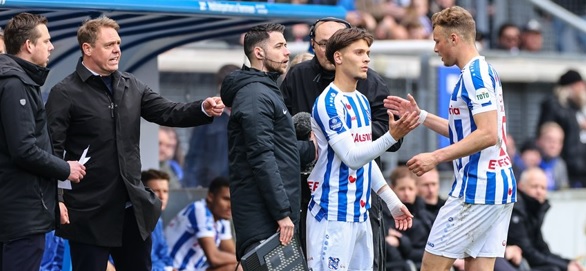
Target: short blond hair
{"points": [[456, 19]]}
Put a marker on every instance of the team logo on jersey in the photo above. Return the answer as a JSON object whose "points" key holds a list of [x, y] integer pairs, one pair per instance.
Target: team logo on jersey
{"points": [[333, 263], [336, 124], [483, 96]]}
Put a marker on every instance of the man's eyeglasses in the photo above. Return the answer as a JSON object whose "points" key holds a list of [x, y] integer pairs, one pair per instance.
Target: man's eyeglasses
{"points": [[322, 44]]}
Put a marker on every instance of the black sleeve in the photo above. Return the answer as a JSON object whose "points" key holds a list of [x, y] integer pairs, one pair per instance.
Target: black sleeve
{"points": [[18, 112], [155, 108], [286, 89], [377, 91], [306, 152], [255, 113]]}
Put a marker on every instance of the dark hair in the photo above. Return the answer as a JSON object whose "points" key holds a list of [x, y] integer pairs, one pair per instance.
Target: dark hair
{"points": [[343, 38], [218, 183], [323, 20], [21, 28], [259, 34], [224, 71], [153, 174], [505, 26]]}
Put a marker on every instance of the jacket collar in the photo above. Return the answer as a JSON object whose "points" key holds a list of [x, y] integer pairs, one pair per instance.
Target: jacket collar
{"points": [[322, 74], [36, 73], [272, 75]]}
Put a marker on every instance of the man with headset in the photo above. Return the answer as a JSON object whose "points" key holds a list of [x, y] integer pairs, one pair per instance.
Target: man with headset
{"points": [[304, 83]]}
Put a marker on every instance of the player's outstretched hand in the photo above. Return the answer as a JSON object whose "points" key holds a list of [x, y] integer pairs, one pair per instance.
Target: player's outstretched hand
{"points": [[404, 220], [401, 127], [400, 106]]}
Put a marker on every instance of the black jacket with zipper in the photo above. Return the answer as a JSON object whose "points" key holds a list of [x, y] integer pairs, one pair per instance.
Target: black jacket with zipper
{"points": [[264, 157], [28, 168]]}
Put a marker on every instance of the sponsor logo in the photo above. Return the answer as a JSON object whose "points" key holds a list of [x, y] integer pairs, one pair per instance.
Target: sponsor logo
{"points": [[451, 219], [352, 179], [333, 263], [313, 185], [430, 244], [22, 102], [501, 162], [362, 203], [362, 137], [335, 124], [284, 111], [483, 96], [504, 243], [454, 111]]}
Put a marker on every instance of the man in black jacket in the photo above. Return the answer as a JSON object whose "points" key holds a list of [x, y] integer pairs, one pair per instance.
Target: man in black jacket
{"points": [[526, 222], [99, 108], [264, 159], [303, 84], [28, 168]]}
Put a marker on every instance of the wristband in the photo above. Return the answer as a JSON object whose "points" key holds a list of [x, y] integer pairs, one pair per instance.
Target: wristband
{"points": [[422, 116]]}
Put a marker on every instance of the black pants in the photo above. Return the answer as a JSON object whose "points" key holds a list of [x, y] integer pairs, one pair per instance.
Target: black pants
{"points": [[133, 255], [23, 254]]}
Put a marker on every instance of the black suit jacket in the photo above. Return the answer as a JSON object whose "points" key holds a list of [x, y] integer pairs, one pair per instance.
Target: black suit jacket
{"points": [[83, 113]]}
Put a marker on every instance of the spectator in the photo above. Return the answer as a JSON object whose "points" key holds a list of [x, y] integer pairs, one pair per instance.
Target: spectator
{"points": [[112, 211], [200, 235], [404, 184], [566, 108], [170, 156], [428, 186], [550, 141], [531, 37], [29, 170], [527, 220], [158, 181], [509, 38], [560, 27], [207, 157]]}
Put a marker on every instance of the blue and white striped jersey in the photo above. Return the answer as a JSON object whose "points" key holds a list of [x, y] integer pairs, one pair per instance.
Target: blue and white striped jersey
{"points": [[485, 177], [193, 222], [340, 193]]}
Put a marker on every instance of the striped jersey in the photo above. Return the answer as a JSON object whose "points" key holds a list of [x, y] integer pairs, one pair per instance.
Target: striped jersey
{"points": [[340, 193], [485, 177], [193, 222]]}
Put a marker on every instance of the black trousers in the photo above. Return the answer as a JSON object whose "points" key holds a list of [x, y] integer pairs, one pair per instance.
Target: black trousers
{"points": [[23, 254], [133, 255]]}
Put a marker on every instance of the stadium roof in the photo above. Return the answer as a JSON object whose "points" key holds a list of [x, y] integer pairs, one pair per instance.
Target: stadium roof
{"points": [[150, 27]]}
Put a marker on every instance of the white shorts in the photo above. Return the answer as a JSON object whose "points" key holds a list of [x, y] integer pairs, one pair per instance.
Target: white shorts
{"points": [[339, 246], [464, 230]]}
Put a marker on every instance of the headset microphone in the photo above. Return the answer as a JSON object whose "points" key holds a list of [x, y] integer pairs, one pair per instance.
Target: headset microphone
{"points": [[281, 62]]}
